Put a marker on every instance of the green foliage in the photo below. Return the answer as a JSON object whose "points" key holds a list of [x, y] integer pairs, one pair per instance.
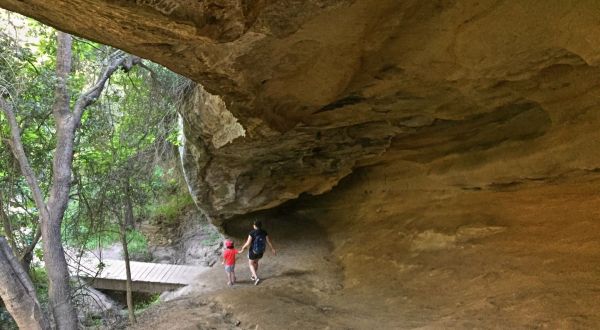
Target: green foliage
{"points": [[136, 241], [212, 238], [124, 145], [39, 277], [93, 239], [6, 321], [146, 303], [137, 244], [171, 208]]}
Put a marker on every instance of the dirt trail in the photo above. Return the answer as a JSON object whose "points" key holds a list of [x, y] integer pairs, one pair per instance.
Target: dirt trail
{"points": [[299, 282]]}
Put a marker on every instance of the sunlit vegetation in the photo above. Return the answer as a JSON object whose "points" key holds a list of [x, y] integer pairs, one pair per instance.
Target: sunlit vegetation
{"points": [[124, 168]]}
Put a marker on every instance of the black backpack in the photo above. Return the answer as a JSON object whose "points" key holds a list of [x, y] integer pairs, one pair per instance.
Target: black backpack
{"points": [[259, 243]]}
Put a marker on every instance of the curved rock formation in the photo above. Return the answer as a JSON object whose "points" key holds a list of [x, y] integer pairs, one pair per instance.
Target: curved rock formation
{"points": [[294, 95]]}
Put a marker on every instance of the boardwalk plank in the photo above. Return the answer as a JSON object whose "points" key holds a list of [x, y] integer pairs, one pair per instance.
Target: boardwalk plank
{"points": [[120, 270], [152, 273], [172, 275], [159, 275], [181, 273], [113, 270], [165, 275], [84, 266], [134, 268], [144, 269], [155, 275], [148, 276]]}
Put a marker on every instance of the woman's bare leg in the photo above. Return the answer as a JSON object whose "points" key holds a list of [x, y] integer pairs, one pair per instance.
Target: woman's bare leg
{"points": [[253, 264]]}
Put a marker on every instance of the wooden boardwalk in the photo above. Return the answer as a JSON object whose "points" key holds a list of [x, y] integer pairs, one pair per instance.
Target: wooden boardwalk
{"points": [[145, 276]]}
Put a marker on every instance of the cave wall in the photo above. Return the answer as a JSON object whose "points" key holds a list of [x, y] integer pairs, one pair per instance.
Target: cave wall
{"points": [[418, 251]]}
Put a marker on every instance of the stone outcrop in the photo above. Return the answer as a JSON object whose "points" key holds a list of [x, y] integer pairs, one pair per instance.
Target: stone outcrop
{"points": [[257, 173], [292, 95]]}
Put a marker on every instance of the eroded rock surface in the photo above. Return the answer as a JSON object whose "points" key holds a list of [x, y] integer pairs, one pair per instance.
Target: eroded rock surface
{"points": [[294, 95]]}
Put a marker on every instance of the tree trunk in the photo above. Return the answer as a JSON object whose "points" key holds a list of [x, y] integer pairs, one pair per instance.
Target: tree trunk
{"points": [[52, 211], [18, 293], [58, 275], [128, 284], [129, 219], [54, 254]]}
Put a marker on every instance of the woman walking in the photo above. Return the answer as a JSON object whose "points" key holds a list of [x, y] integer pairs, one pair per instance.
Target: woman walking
{"points": [[257, 240]]}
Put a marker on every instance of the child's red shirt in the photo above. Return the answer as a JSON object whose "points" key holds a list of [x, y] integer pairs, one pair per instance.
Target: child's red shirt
{"points": [[229, 256]]}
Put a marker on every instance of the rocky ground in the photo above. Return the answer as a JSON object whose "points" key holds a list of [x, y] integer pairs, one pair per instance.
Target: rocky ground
{"points": [[519, 255], [298, 281]]}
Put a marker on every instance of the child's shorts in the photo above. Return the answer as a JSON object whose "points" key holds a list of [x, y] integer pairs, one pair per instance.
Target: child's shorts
{"points": [[230, 269]]}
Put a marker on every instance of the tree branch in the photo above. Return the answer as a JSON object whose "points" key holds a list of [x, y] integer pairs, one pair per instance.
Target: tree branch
{"points": [[63, 68], [17, 148], [8, 230], [29, 248], [120, 60]]}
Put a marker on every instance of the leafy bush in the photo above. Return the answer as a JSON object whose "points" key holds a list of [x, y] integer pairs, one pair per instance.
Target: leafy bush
{"points": [[103, 239], [147, 303], [171, 209], [137, 244], [6, 321], [39, 277], [136, 241]]}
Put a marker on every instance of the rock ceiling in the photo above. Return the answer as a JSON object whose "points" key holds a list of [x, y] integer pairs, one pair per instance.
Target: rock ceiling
{"points": [[293, 95]]}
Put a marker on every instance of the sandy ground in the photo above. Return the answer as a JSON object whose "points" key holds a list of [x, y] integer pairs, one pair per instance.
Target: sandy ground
{"points": [[385, 255], [298, 281]]}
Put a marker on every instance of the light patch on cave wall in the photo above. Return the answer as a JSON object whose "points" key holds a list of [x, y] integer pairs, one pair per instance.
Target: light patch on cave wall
{"points": [[218, 125]]}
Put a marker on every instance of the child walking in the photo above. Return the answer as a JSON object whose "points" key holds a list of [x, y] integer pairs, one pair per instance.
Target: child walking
{"points": [[229, 261]]}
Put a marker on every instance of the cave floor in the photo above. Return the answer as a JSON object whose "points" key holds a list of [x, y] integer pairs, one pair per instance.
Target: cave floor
{"points": [[521, 255]]}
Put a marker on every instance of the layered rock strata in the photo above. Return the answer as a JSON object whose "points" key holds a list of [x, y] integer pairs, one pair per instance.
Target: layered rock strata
{"points": [[294, 95]]}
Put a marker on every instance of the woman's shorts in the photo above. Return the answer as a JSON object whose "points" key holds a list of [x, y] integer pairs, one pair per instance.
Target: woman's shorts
{"points": [[254, 256], [230, 269]]}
